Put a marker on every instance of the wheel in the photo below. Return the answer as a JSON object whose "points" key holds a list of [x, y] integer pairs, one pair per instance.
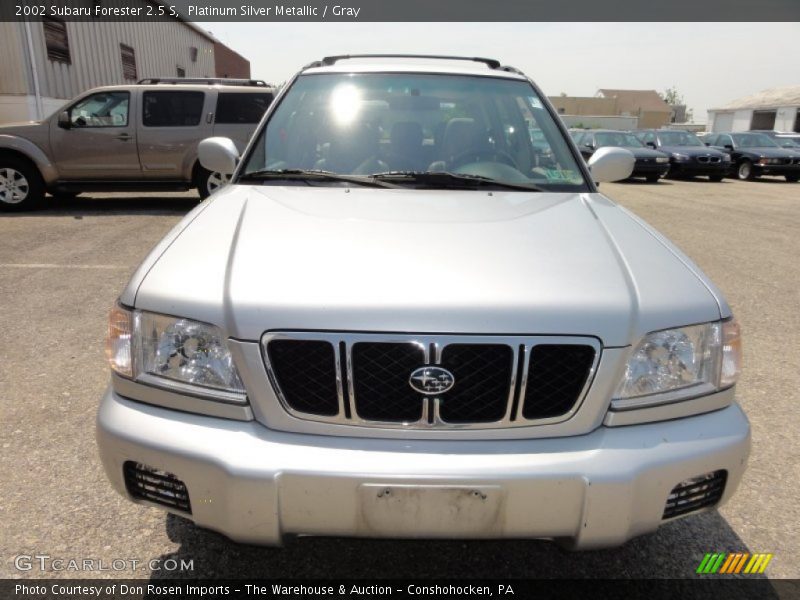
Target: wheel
{"points": [[208, 182], [21, 186], [652, 178], [745, 171], [792, 178], [715, 178]]}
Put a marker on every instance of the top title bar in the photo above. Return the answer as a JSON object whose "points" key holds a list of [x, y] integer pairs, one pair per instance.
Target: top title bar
{"points": [[404, 10]]}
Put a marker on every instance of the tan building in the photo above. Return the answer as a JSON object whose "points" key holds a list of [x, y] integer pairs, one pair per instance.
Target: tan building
{"points": [[646, 106], [652, 111]]}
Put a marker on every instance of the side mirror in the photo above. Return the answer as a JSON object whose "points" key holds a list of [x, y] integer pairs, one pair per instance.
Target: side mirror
{"points": [[728, 147], [218, 155], [651, 144], [611, 164], [63, 120]]}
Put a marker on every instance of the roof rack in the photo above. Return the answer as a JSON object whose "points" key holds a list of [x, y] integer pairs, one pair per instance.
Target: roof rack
{"points": [[202, 81], [331, 60]]}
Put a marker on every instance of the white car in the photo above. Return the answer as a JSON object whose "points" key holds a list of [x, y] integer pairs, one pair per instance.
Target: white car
{"points": [[406, 318]]}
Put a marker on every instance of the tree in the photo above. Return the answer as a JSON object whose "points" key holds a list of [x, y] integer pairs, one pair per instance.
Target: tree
{"points": [[672, 96]]}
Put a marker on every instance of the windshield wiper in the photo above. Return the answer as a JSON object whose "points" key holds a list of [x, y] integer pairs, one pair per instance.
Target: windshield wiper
{"points": [[312, 175], [446, 179]]}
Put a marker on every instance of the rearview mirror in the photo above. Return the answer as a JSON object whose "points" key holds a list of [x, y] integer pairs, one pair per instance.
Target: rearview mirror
{"points": [[218, 155], [63, 120], [611, 164]]}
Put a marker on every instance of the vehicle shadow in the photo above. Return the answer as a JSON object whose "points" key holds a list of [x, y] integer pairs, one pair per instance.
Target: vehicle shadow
{"points": [[112, 205], [674, 551]]}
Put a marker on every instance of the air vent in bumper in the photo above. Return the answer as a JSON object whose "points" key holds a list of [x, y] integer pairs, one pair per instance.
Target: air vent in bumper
{"points": [[159, 487], [695, 494]]}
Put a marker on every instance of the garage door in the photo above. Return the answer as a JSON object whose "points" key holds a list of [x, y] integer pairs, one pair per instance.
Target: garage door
{"points": [[723, 122]]}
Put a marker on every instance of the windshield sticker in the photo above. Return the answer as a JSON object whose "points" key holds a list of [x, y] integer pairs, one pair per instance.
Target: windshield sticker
{"points": [[534, 102]]}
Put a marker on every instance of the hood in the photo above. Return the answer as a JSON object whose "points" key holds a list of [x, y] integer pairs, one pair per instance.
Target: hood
{"points": [[21, 127], [645, 153], [769, 152], [260, 258], [692, 150]]}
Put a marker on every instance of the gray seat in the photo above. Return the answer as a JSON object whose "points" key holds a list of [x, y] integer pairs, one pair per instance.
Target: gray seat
{"points": [[405, 150], [353, 150]]}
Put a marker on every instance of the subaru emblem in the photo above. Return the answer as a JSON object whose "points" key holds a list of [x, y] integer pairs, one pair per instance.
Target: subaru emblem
{"points": [[431, 380]]}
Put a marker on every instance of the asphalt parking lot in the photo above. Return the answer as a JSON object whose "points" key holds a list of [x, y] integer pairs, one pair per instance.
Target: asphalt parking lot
{"points": [[60, 271]]}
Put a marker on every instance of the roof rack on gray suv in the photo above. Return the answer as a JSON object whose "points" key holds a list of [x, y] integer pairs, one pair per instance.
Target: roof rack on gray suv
{"points": [[331, 60], [202, 80]]}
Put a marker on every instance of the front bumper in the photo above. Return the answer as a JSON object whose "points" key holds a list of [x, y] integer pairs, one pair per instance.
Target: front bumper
{"points": [[780, 170], [694, 168], [256, 485], [641, 169]]}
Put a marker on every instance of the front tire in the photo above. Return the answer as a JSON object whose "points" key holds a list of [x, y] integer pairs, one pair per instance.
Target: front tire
{"points": [[209, 182], [745, 171], [21, 186], [652, 178], [715, 178]]}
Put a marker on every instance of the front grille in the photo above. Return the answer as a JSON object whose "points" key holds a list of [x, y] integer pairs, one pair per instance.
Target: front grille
{"points": [[556, 376], [694, 494], [708, 159], [380, 381], [154, 485], [306, 373], [483, 376], [366, 379]]}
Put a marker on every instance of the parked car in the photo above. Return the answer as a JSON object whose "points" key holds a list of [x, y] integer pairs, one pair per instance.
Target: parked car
{"points": [[128, 137], [650, 164], [784, 139], [688, 156], [473, 346], [755, 154]]}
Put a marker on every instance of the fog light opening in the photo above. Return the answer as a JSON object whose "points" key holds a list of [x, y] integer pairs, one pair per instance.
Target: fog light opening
{"points": [[695, 494], [157, 486]]}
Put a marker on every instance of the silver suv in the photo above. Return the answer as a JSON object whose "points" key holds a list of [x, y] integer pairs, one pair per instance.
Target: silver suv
{"points": [[412, 314], [134, 137]]}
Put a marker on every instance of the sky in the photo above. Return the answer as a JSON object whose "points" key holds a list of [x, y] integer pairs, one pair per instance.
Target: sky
{"points": [[709, 63]]}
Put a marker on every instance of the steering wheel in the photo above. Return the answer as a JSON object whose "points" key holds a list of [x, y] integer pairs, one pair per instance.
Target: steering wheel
{"points": [[474, 156]]}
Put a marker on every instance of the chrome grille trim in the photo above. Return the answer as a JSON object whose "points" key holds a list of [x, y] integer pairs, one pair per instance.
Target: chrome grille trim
{"points": [[431, 417]]}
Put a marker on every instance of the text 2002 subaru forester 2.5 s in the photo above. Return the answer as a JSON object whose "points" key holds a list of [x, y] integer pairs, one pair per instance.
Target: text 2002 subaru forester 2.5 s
{"points": [[404, 318]]}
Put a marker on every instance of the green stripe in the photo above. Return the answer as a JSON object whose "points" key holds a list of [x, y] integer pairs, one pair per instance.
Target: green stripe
{"points": [[718, 563], [703, 563]]}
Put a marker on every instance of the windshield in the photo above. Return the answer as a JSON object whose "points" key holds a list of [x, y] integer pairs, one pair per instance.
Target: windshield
{"points": [[616, 138], [753, 140], [679, 138], [374, 123]]}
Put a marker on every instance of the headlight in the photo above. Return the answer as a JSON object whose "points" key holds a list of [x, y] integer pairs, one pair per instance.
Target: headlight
{"points": [[662, 159], [769, 161], [726, 158], [680, 157], [172, 352], [681, 363]]}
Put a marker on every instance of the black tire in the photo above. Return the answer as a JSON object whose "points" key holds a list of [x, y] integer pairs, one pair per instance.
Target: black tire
{"points": [[715, 178], [744, 171], [792, 178], [21, 185], [207, 182], [652, 178]]}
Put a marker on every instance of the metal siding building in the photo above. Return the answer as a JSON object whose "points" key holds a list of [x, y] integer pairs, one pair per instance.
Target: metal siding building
{"points": [[775, 108], [161, 48]]}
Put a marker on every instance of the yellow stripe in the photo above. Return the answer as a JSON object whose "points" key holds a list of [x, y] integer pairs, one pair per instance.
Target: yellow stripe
{"points": [[728, 562], [740, 564], [753, 562], [764, 564]]}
